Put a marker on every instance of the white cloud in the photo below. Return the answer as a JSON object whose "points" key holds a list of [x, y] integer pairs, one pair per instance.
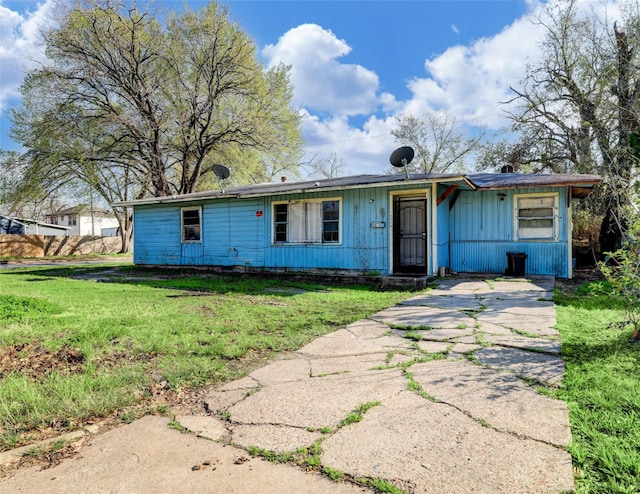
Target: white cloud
{"points": [[455, 29], [20, 47], [320, 82]]}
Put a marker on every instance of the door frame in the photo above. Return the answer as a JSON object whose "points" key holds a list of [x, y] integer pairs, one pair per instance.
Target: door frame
{"points": [[419, 194]]}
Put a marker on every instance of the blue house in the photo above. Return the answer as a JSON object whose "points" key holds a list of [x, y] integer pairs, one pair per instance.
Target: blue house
{"points": [[413, 225]]}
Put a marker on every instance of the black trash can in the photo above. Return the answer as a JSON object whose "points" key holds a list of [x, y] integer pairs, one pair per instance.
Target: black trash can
{"points": [[516, 262]]}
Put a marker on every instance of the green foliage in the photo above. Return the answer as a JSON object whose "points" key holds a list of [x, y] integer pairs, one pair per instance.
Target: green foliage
{"points": [[622, 272], [602, 389], [135, 104], [19, 309], [358, 414]]}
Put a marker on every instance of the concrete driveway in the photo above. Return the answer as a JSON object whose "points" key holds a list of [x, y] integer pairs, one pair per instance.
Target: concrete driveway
{"points": [[435, 395]]}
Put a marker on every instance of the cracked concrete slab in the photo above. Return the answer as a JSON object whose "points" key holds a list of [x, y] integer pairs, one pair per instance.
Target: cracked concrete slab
{"points": [[499, 399], [203, 426], [543, 368], [148, 456], [317, 402], [443, 451], [460, 302], [282, 371], [524, 343], [344, 342], [337, 365], [423, 317], [540, 326], [278, 438], [439, 334]]}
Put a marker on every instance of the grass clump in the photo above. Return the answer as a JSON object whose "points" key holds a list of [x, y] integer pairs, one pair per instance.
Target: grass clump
{"points": [[358, 414]]}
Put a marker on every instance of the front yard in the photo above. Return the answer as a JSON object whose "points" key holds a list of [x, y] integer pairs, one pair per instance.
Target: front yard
{"points": [[115, 342]]}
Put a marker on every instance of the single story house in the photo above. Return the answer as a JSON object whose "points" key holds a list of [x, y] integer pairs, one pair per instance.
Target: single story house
{"points": [[413, 225], [85, 220], [10, 225]]}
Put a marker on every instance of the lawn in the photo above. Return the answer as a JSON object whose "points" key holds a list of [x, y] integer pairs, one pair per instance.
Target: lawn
{"points": [[602, 390], [81, 342]]}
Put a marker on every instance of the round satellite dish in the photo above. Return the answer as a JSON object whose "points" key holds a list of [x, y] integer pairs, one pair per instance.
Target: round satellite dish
{"points": [[401, 156], [221, 171]]}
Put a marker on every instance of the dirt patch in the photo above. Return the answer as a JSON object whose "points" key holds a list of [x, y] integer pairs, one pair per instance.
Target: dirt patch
{"points": [[580, 276], [35, 361]]}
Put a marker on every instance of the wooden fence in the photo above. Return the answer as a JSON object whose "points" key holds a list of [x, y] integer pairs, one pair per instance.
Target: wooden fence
{"points": [[40, 245]]}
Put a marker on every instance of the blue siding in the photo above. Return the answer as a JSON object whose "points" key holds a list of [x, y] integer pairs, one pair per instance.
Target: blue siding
{"points": [[442, 240], [157, 235], [473, 236], [363, 247], [482, 232]]}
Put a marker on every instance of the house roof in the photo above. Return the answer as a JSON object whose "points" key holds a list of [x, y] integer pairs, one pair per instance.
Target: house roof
{"points": [[80, 209], [474, 181]]}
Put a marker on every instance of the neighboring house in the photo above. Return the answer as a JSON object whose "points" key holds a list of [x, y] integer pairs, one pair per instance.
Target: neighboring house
{"points": [[84, 220], [21, 226], [387, 224]]}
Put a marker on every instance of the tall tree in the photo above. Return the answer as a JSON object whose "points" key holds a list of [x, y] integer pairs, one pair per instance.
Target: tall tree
{"points": [[578, 106], [436, 138], [135, 107]]}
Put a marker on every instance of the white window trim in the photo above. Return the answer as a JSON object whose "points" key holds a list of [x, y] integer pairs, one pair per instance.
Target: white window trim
{"points": [[556, 216], [318, 200], [190, 208]]}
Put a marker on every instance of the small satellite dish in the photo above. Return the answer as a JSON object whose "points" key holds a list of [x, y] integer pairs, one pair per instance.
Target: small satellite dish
{"points": [[222, 172], [401, 157]]}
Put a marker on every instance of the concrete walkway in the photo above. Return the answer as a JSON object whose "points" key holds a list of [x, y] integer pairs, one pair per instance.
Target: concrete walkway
{"points": [[445, 382]]}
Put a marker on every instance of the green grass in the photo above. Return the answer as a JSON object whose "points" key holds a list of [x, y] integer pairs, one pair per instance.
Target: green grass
{"points": [[602, 390], [80, 342]]}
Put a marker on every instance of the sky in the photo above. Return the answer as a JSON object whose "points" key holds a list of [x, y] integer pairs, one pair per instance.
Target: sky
{"points": [[356, 66]]}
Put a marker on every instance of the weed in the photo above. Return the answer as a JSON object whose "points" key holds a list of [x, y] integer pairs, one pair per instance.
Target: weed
{"points": [[413, 336], [383, 486], [174, 424], [333, 474], [461, 326], [358, 414]]}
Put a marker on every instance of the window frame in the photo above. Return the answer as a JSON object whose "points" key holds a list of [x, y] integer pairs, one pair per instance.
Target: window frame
{"points": [[554, 237], [321, 221], [183, 239]]}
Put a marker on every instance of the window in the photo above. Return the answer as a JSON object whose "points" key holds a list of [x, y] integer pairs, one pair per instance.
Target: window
{"points": [[536, 217], [73, 220], [53, 220], [191, 224], [307, 222]]}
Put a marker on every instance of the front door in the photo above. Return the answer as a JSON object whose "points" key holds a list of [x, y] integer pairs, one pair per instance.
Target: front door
{"points": [[410, 236]]}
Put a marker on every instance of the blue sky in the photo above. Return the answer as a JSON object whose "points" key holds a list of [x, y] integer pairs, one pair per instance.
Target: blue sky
{"points": [[355, 65]]}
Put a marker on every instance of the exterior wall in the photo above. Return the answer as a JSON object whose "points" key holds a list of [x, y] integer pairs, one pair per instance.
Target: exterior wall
{"points": [[441, 241], [41, 245], [474, 236], [482, 232], [364, 234], [234, 235], [83, 226]]}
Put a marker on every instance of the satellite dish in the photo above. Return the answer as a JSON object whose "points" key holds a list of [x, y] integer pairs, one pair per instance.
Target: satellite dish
{"points": [[401, 157], [222, 172]]}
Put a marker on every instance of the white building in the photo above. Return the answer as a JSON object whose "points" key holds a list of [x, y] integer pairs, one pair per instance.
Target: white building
{"points": [[84, 220]]}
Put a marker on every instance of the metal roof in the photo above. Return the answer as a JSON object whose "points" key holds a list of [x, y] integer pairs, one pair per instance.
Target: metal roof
{"points": [[470, 181]]}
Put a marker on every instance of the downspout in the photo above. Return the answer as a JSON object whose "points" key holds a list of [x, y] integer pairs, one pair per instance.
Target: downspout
{"points": [[434, 229], [570, 236]]}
